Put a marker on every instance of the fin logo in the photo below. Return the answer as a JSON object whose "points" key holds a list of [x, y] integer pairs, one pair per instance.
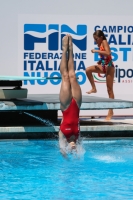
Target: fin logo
{"points": [[51, 34]]}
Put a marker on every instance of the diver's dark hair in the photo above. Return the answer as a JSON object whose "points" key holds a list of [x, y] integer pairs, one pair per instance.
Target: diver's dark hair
{"points": [[99, 33]]}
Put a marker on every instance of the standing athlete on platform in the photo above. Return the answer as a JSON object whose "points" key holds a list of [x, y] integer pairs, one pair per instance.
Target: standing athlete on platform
{"points": [[104, 66], [70, 99]]}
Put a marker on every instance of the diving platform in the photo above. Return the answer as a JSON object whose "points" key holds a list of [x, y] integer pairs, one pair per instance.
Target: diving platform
{"points": [[51, 102], [24, 115], [14, 84], [89, 128], [29, 117]]}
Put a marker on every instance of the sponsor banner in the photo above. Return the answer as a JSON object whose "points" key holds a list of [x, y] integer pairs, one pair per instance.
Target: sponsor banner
{"points": [[39, 50]]}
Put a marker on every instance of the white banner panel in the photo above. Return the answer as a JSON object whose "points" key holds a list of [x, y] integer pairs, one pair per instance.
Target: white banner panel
{"points": [[39, 51]]}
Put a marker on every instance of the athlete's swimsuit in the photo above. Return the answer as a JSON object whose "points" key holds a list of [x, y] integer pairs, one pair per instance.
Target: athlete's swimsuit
{"points": [[70, 125], [105, 61]]}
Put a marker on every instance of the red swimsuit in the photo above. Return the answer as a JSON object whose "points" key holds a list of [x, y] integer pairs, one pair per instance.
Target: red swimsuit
{"points": [[70, 125]]}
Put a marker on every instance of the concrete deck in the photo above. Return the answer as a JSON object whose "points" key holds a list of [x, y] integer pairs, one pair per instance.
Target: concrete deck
{"points": [[51, 102]]}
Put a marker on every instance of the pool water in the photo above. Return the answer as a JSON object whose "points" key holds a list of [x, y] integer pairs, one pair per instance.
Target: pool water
{"points": [[35, 169]]}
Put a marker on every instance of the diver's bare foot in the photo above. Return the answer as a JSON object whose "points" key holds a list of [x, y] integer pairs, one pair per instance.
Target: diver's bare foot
{"points": [[92, 91], [110, 115], [65, 43]]}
